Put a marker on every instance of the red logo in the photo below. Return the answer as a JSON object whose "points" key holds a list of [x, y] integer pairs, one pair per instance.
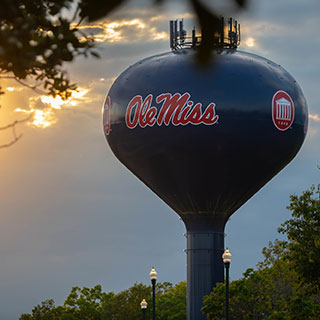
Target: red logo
{"points": [[106, 116], [282, 110], [176, 109]]}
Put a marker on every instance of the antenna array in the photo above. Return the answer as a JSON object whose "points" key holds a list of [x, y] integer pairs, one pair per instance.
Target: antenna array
{"points": [[227, 37]]}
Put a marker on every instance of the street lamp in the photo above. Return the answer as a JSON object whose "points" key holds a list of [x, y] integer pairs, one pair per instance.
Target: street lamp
{"points": [[226, 257], [143, 305], [153, 277]]}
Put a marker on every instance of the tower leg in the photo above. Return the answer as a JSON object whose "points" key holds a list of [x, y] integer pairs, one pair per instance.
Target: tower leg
{"points": [[204, 267]]}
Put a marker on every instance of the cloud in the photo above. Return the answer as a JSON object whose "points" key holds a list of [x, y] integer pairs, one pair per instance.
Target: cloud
{"points": [[42, 109], [125, 30], [134, 24], [293, 13], [72, 215], [314, 117]]}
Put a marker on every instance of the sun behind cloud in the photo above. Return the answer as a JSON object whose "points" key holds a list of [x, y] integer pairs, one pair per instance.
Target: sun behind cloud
{"points": [[314, 117], [43, 108], [250, 42], [125, 30]]}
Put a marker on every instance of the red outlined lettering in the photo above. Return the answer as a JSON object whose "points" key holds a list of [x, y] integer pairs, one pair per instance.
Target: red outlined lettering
{"points": [[176, 109]]}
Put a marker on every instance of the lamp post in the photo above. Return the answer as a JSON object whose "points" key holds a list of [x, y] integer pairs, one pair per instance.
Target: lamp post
{"points": [[143, 305], [226, 257], [153, 277]]}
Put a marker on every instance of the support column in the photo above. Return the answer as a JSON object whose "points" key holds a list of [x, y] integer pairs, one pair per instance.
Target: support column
{"points": [[205, 267]]}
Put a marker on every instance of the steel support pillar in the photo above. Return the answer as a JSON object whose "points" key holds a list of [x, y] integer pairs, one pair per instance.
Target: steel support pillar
{"points": [[205, 267]]}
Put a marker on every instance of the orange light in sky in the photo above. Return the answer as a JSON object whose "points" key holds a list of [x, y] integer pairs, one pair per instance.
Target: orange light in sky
{"points": [[57, 102], [314, 117], [40, 118], [45, 117], [125, 30], [250, 42]]}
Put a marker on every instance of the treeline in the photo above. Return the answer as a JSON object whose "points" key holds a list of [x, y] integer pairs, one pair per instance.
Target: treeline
{"points": [[94, 304], [284, 286]]}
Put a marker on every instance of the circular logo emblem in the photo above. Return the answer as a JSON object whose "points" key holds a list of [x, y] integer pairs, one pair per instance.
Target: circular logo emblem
{"points": [[282, 110], [106, 116]]}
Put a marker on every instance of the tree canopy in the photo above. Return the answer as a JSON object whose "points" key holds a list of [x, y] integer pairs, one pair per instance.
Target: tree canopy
{"points": [[284, 286], [286, 283], [303, 232], [94, 304], [38, 36]]}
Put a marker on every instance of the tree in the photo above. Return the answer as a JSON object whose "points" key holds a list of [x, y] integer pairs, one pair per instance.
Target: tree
{"points": [[257, 295], [35, 40], [84, 303], [172, 304], [108, 306], [128, 302], [94, 304], [303, 232], [38, 36], [44, 311], [266, 293], [286, 283], [281, 287], [15, 137]]}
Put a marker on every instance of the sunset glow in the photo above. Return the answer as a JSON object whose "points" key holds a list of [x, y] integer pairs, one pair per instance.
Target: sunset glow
{"points": [[57, 102], [126, 30], [250, 42], [80, 232], [113, 32], [45, 117], [314, 117], [40, 118]]}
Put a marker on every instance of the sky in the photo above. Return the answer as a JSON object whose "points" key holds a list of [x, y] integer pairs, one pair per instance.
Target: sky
{"points": [[72, 215]]}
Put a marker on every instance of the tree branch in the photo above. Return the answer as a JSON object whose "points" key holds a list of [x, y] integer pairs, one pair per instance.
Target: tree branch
{"points": [[34, 87], [11, 143], [13, 124], [15, 136]]}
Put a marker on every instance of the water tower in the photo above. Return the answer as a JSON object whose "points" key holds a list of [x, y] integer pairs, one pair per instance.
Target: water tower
{"points": [[205, 139]]}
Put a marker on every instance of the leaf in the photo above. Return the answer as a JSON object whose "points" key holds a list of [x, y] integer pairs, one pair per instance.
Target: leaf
{"points": [[95, 54], [210, 24], [241, 3], [96, 9]]}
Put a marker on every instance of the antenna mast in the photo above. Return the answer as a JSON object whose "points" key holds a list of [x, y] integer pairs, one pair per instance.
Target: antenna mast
{"points": [[180, 40]]}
